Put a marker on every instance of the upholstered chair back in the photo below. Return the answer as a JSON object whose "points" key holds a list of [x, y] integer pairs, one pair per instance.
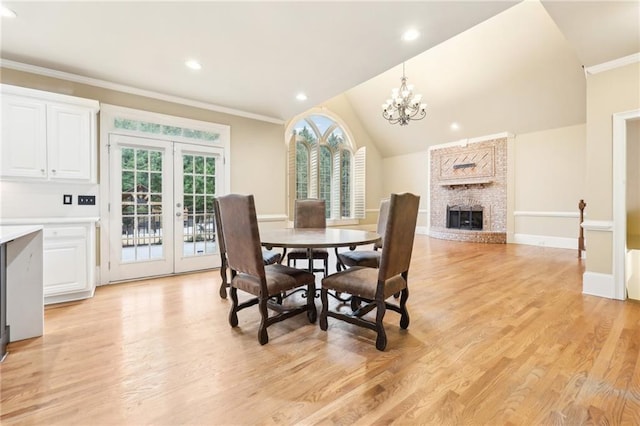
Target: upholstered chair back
{"points": [[309, 213], [241, 234], [397, 245]]}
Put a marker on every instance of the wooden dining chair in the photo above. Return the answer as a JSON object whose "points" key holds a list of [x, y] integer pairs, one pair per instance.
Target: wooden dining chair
{"points": [[309, 213], [248, 272], [368, 258], [269, 257], [375, 286]]}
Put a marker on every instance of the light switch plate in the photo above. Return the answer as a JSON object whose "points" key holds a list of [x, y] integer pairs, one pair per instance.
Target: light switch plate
{"points": [[67, 199]]}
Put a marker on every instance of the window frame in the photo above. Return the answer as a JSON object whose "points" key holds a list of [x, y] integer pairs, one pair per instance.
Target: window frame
{"points": [[314, 159]]}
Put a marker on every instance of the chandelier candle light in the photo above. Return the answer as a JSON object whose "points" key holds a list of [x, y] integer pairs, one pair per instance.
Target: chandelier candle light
{"points": [[403, 106]]}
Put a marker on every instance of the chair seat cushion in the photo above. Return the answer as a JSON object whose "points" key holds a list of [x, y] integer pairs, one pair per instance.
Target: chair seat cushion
{"points": [[270, 257], [368, 258], [279, 278], [362, 281], [302, 254]]}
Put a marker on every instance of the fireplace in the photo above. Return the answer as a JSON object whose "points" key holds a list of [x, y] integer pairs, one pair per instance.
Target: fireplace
{"points": [[464, 217]]}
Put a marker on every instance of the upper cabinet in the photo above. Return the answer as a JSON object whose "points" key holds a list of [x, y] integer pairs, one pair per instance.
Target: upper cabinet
{"points": [[47, 136]]}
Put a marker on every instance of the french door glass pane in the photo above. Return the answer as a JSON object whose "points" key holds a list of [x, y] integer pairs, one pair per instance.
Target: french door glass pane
{"points": [[141, 204], [199, 189]]}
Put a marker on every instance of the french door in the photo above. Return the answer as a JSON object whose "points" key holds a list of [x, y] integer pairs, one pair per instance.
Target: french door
{"points": [[161, 207]]}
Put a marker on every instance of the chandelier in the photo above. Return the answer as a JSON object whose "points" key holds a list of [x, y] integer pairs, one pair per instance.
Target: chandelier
{"points": [[403, 106]]}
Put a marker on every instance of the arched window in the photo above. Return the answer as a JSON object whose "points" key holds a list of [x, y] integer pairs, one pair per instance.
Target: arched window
{"points": [[323, 163]]}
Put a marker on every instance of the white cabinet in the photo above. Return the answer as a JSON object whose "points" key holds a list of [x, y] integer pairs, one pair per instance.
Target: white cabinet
{"points": [[69, 261], [47, 136]]}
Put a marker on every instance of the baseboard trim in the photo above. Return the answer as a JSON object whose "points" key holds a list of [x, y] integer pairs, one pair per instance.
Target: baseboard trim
{"points": [[422, 230], [598, 284], [546, 241]]}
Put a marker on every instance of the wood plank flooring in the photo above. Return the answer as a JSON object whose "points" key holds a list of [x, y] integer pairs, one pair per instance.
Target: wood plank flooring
{"points": [[499, 335]]}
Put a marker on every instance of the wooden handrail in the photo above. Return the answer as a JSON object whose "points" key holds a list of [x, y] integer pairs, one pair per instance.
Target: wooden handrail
{"points": [[581, 247]]}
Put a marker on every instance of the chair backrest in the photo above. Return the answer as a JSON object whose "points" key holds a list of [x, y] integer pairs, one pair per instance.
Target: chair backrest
{"points": [[241, 234], [399, 234], [309, 213], [219, 234], [383, 214]]}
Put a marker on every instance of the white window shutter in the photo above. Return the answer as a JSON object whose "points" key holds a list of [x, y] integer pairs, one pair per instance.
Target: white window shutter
{"points": [[335, 186], [359, 182], [313, 172], [292, 175]]}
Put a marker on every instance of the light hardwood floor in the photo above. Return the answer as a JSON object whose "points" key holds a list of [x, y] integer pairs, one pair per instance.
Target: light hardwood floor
{"points": [[499, 335]]}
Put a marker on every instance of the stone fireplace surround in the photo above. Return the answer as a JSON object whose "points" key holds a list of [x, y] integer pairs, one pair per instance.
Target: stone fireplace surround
{"points": [[470, 175]]}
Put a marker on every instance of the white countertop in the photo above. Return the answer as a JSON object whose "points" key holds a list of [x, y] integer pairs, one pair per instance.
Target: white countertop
{"points": [[10, 233], [47, 220]]}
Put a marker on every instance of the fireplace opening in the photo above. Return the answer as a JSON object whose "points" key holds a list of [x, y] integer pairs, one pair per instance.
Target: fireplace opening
{"points": [[464, 217]]}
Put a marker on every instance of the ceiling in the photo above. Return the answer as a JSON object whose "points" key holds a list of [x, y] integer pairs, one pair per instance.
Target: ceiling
{"points": [[491, 66]]}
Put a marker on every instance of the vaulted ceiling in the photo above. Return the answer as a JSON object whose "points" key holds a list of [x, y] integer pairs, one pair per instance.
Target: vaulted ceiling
{"points": [[490, 66]]}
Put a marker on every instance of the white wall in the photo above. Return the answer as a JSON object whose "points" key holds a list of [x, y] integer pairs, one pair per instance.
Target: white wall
{"points": [[549, 182], [409, 173]]}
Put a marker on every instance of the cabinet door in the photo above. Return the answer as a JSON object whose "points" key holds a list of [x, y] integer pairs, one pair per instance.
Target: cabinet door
{"points": [[65, 260], [24, 138], [69, 142]]}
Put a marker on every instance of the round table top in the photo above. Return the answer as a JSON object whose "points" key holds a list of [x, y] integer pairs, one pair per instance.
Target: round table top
{"points": [[316, 237]]}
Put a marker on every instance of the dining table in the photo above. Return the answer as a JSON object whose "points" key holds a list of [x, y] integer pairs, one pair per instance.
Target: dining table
{"points": [[315, 238]]}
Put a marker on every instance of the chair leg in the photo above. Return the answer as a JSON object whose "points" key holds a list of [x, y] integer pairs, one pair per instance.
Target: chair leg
{"points": [[325, 309], [381, 340], [263, 337], [233, 314], [404, 318], [223, 276], [355, 303], [312, 313], [326, 267]]}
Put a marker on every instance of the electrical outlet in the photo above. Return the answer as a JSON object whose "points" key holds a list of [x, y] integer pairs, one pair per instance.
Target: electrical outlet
{"points": [[86, 200], [67, 199]]}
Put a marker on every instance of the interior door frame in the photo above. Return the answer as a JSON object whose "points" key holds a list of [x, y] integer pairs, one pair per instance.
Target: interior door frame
{"points": [[108, 114], [619, 190]]}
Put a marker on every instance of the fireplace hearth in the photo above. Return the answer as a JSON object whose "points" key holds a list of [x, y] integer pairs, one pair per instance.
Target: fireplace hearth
{"points": [[465, 217]]}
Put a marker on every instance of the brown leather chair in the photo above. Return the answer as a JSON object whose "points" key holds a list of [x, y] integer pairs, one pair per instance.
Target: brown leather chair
{"points": [[309, 213], [249, 273], [268, 257], [375, 286], [368, 258]]}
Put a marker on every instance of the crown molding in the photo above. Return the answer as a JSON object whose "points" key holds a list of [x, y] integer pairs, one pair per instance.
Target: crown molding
{"points": [[616, 63], [47, 72]]}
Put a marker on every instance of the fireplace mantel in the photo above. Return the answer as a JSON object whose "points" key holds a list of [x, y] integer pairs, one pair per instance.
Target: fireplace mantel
{"points": [[467, 183]]}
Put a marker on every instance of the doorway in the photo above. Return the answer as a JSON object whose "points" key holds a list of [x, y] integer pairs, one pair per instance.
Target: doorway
{"points": [[626, 200], [162, 218], [159, 175]]}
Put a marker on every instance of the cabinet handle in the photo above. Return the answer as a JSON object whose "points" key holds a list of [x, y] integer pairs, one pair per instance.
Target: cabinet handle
{"points": [[42, 171], [53, 170], [178, 214]]}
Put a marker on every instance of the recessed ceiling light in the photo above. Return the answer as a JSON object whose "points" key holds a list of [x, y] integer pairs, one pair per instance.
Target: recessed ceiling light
{"points": [[193, 64], [5, 12], [301, 97], [410, 34], [454, 126]]}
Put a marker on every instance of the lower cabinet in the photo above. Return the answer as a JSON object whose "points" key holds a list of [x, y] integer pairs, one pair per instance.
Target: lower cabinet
{"points": [[69, 262]]}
